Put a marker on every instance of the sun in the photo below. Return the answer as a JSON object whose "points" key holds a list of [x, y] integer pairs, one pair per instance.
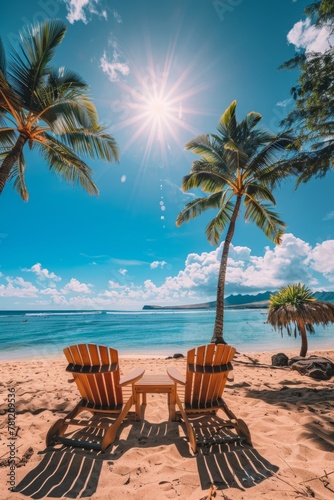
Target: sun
{"points": [[158, 108], [154, 108]]}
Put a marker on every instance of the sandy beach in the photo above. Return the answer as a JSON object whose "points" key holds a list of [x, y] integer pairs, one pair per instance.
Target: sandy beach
{"points": [[290, 417]]}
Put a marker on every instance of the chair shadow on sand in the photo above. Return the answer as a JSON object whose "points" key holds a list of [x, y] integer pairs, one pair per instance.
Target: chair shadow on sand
{"points": [[228, 464], [231, 466], [72, 472], [64, 472], [68, 472]]}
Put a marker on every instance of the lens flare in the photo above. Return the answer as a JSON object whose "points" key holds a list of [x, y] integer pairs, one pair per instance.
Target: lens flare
{"points": [[155, 106]]}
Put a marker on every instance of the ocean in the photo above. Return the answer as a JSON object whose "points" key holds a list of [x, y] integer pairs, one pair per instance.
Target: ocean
{"points": [[44, 334]]}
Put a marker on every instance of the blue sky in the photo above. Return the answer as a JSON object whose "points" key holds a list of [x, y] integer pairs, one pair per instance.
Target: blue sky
{"points": [[160, 73]]}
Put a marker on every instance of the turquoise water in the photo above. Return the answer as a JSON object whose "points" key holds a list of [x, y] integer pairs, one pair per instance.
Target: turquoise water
{"points": [[37, 335]]}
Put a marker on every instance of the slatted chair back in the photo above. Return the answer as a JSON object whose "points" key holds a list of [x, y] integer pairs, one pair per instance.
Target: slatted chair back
{"points": [[207, 370], [95, 370]]}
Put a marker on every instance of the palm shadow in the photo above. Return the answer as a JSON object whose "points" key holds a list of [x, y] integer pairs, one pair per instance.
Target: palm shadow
{"points": [[318, 402]]}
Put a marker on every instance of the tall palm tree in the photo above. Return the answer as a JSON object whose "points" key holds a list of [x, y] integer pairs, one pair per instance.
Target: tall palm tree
{"points": [[238, 164], [49, 109], [293, 307]]}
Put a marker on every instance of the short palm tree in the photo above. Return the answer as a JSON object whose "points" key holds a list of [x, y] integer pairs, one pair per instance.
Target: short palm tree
{"points": [[238, 164], [294, 308], [49, 109]]}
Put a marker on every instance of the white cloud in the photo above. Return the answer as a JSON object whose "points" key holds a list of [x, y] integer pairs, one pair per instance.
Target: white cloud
{"points": [[294, 260], [114, 68], [22, 289], [285, 263], [49, 291], [74, 286], [82, 10], [306, 36], [113, 284], [41, 273], [321, 259], [158, 263]]}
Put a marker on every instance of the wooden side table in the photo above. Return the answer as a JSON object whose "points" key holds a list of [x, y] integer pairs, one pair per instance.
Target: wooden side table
{"points": [[155, 384]]}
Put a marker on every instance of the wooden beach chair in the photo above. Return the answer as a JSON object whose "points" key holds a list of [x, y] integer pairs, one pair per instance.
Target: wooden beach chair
{"points": [[207, 370], [95, 369]]}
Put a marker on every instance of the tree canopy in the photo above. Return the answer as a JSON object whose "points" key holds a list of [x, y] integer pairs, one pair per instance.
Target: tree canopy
{"points": [[313, 112], [49, 109]]}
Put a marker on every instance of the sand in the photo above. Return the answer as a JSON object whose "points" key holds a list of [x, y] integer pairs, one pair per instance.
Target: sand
{"points": [[290, 417]]}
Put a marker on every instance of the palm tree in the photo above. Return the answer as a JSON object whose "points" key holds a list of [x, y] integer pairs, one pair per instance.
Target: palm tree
{"points": [[236, 165], [293, 307], [49, 109]]}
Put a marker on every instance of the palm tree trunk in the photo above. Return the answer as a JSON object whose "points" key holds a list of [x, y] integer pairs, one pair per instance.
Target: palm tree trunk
{"points": [[219, 322], [304, 346], [11, 159]]}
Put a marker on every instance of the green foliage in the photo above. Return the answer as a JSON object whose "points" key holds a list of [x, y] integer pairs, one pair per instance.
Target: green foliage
{"points": [[50, 109], [294, 294], [238, 161], [294, 309], [313, 94]]}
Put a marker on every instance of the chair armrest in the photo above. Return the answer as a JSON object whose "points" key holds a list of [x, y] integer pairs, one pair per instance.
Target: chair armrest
{"points": [[132, 376], [175, 375]]}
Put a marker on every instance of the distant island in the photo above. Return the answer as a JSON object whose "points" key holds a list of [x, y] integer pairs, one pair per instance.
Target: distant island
{"points": [[240, 302]]}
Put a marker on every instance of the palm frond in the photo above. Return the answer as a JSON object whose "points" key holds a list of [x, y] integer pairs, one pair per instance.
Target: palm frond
{"points": [[67, 164], [3, 61], [94, 143], [241, 157], [7, 138], [203, 147], [65, 116], [86, 102], [29, 66], [9, 100], [295, 304], [18, 174], [252, 119], [227, 124], [269, 154], [294, 294], [267, 220], [197, 207], [208, 181], [65, 79], [255, 191], [217, 225]]}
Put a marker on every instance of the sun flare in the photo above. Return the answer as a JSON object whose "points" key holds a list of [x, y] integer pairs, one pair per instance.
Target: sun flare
{"points": [[158, 108], [154, 107]]}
